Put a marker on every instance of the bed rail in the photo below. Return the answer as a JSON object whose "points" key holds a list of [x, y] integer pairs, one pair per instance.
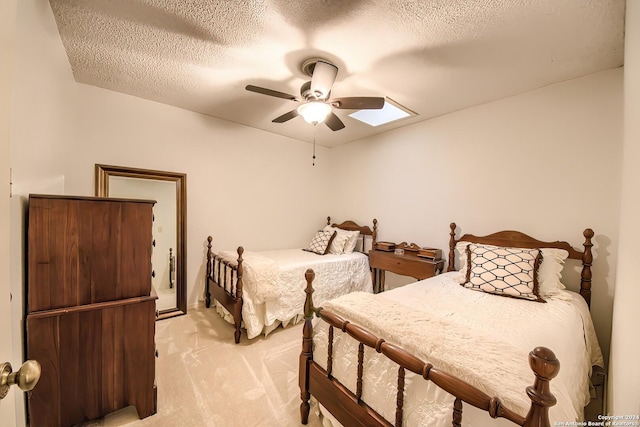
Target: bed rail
{"points": [[226, 278], [349, 408]]}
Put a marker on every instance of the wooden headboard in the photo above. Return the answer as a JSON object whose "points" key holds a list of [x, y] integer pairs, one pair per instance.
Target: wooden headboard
{"points": [[363, 229], [517, 239]]}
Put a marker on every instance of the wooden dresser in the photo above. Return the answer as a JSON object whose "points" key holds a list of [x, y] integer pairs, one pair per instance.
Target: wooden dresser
{"points": [[90, 308]]}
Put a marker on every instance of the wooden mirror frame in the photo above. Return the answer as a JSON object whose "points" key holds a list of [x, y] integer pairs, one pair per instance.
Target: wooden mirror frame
{"points": [[102, 174]]}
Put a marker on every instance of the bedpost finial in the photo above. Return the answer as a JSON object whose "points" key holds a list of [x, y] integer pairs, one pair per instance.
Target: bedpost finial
{"points": [[452, 246], [309, 275], [544, 363], [328, 220], [374, 235], [240, 259], [588, 233], [209, 254]]}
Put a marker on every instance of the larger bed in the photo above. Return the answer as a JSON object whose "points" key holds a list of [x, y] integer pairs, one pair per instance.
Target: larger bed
{"points": [[364, 362], [262, 290]]}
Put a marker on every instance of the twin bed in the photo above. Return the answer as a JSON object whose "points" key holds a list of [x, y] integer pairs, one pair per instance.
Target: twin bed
{"points": [[426, 353], [262, 290]]}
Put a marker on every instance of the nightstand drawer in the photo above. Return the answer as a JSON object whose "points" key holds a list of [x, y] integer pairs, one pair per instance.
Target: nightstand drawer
{"points": [[407, 264]]}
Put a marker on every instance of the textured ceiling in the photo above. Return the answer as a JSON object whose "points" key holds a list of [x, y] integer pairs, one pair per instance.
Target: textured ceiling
{"points": [[432, 56]]}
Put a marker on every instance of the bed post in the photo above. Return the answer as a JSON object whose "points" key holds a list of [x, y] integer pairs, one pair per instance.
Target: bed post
{"points": [[307, 348], [546, 366], [452, 247], [587, 259], [374, 235], [328, 220], [237, 308], [207, 294]]}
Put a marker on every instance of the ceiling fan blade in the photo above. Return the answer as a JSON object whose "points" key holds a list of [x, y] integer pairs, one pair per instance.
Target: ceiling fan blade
{"points": [[270, 92], [333, 122], [286, 116], [322, 79], [358, 103]]}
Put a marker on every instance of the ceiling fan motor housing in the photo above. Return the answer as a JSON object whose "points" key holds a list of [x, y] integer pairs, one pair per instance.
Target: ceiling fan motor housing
{"points": [[309, 95]]}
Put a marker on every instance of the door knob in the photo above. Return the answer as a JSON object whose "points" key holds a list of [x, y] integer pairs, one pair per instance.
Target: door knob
{"points": [[25, 378]]}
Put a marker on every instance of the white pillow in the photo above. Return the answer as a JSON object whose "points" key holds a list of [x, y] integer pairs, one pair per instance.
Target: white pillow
{"points": [[344, 242], [350, 246], [549, 272], [461, 247], [337, 245], [359, 244]]}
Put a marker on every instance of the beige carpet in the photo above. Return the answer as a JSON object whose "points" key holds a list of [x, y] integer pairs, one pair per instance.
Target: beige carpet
{"points": [[204, 379]]}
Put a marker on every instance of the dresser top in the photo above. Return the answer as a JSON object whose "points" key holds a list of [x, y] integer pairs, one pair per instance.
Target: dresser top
{"points": [[88, 198]]}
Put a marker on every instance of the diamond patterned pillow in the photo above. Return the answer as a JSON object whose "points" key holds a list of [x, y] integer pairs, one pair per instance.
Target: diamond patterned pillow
{"points": [[504, 271], [321, 242]]}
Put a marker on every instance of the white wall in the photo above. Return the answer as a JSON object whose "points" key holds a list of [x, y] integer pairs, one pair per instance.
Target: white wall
{"points": [[544, 162], [624, 371]]}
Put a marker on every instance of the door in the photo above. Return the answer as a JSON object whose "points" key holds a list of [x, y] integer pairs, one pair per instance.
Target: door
{"points": [[7, 36]]}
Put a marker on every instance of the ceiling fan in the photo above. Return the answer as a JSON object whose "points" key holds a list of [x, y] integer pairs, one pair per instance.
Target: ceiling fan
{"points": [[317, 106]]}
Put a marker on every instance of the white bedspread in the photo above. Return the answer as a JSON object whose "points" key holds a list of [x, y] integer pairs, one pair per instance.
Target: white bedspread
{"points": [[273, 284], [468, 334]]}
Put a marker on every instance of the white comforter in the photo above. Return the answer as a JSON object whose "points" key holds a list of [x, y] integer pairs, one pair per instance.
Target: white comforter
{"points": [[481, 338], [273, 284]]}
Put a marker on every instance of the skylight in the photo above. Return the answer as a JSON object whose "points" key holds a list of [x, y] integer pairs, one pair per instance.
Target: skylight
{"points": [[391, 112]]}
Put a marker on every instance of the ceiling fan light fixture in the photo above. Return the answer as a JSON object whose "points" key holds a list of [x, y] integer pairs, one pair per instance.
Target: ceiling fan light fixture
{"points": [[314, 112]]}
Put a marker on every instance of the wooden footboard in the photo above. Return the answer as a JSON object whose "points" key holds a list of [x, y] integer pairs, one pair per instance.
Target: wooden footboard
{"points": [[223, 282], [351, 410]]}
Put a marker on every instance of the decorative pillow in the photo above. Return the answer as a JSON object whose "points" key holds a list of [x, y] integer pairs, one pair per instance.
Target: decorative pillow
{"points": [[549, 273], [344, 242], [504, 271], [321, 242]]}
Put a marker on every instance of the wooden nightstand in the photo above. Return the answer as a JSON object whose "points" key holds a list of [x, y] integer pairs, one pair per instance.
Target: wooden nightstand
{"points": [[407, 264]]}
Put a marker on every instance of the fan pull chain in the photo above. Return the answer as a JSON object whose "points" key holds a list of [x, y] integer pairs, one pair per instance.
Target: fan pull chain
{"points": [[314, 145]]}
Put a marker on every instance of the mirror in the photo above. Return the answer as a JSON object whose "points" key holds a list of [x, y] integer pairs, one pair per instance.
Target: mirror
{"points": [[169, 190]]}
